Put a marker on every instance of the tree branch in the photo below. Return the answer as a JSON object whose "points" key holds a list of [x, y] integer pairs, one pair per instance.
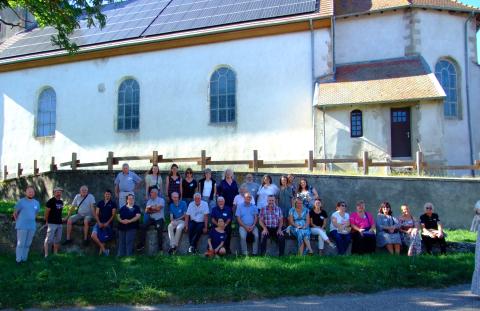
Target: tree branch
{"points": [[10, 24]]}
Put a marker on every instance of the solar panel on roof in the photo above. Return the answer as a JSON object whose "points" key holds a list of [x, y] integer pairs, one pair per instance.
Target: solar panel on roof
{"points": [[135, 18]]}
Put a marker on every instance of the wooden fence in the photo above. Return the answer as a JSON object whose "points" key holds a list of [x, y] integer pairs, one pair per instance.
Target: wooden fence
{"points": [[363, 164]]}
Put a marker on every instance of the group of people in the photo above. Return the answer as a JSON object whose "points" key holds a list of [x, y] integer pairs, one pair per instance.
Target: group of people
{"points": [[259, 211]]}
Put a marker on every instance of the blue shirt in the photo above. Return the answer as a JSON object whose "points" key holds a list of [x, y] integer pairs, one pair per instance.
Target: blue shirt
{"points": [[228, 192], [225, 213], [178, 211], [216, 237], [105, 210], [247, 213], [26, 210], [128, 213], [126, 183]]}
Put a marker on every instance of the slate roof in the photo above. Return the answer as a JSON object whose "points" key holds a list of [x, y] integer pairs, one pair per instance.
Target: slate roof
{"points": [[346, 7], [378, 82]]}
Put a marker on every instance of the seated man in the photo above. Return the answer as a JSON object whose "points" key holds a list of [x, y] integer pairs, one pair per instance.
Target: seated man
{"points": [[216, 240], [154, 216], [196, 221], [247, 217], [432, 230], [177, 222], [271, 221], [221, 211], [85, 202], [104, 214]]}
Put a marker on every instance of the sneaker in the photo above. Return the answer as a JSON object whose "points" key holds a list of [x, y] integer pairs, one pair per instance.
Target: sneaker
{"points": [[106, 252], [332, 245], [191, 250], [67, 242], [171, 250], [85, 243]]}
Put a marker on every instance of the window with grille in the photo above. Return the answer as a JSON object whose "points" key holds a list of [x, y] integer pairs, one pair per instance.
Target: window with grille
{"points": [[47, 113], [128, 106], [223, 96], [356, 124]]}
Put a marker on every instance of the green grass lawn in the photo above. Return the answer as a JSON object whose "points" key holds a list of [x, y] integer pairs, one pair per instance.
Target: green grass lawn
{"points": [[67, 280], [460, 235]]}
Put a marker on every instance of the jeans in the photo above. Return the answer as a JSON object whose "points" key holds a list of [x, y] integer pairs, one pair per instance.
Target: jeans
{"points": [[24, 240], [322, 236], [195, 231], [126, 242], [243, 240], [272, 234], [158, 224], [365, 244], [175, 232], [342, 241]]}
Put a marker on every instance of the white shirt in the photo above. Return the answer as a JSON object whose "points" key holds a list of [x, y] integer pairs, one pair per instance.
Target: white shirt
{"points": [[197, 213], [340, 219], [207, 188], [263, 194]]}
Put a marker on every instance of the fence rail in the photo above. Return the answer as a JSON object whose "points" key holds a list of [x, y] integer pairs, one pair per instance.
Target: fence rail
{"points": [[363, 164]]}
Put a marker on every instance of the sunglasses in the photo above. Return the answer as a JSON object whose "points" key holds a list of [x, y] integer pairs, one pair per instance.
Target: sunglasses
{"points": [[428, 207]]}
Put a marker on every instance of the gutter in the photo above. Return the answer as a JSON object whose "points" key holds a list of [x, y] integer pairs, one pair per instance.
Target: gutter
{"points": [[467, 86], [312, 83], [166, 37]]}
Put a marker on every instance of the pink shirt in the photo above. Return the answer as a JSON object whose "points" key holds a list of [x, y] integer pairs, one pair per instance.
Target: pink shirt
{"points": [[360, 222]]}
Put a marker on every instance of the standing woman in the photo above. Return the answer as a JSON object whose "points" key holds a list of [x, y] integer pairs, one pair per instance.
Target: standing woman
{"points": [[207, 188], [153, 180], [173, 182], [228, 188], [476, 272], [24, 214], [285, 197], [267, 189], [388, 229], [299, 221], [340, 228], [306, 193], [291, 183], [128, 220], [363, 230], [409, 232], [189, 186]]}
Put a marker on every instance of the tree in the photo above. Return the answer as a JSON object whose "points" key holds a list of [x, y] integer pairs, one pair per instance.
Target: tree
{"points": [[63, 15]]}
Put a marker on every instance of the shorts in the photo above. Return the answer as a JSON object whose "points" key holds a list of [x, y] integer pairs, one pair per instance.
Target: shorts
{"points": [[54, 234], [78, 217], [103, 234]]}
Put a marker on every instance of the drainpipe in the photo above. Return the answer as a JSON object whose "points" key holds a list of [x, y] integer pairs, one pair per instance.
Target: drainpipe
{"points": [[467, 86], [312, 64]]}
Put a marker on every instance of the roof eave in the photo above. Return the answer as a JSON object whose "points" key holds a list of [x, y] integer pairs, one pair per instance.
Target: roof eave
{"points": [[380, 102]]}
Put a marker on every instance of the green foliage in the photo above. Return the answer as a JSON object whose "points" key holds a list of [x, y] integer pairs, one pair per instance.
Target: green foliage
{"points": [[459, 235], [165, 279], [63, 15], [7, 207]]}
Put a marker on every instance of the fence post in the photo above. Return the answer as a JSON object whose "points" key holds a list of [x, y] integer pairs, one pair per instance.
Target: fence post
{"points": [[19, 170], [310, 161], [53, 166], [155, 158], [5, 172], [204, 159], [35, 167], [255, 161], [110, 161], [73, 164], [365, 163], [419, 162]]}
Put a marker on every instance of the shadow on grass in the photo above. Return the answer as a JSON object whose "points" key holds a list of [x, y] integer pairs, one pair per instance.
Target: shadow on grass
{"points": [[88, 280]]}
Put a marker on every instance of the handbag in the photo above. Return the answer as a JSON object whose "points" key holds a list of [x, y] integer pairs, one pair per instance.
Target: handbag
{"points": [[105, 234]]}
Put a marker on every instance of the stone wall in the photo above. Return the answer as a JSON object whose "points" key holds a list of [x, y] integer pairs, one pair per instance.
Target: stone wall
{"points": [[453, 198]]}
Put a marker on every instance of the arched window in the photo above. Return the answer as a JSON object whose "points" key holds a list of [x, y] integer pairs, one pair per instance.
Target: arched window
{"points": [[356, 124], [446, 73], [223, 96], [128, 105], [47, 113]]}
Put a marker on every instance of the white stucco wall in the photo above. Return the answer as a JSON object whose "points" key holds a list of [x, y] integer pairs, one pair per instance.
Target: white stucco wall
{"points": [[442, 35], [274, 89], [370, 37], [376, 137]]}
